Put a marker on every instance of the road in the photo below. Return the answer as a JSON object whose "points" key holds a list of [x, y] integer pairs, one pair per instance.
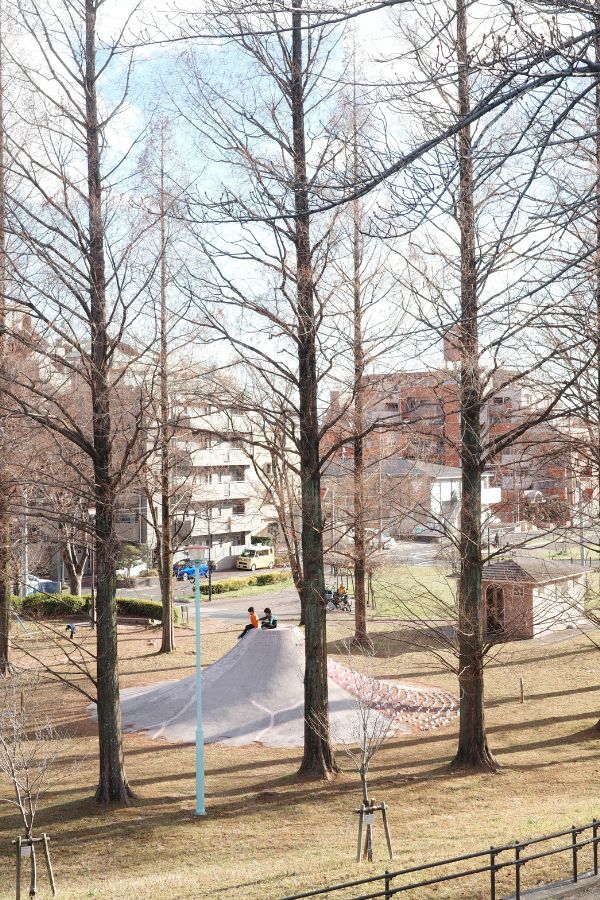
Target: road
{"points": [[181, 589], [411, 553], [284, 603]]}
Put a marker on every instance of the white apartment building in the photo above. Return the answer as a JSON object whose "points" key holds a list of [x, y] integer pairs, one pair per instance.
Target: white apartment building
{"points": [[223, 502]]}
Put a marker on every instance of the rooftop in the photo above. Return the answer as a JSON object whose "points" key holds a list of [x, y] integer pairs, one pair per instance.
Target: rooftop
{"points": [[530, 569]]}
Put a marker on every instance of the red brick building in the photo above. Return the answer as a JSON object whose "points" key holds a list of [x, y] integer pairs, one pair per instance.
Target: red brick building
{"points": [[416, 415]]}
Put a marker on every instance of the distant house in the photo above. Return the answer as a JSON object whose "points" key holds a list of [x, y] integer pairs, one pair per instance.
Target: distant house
{"points": [[526, 596], [404, 498]]}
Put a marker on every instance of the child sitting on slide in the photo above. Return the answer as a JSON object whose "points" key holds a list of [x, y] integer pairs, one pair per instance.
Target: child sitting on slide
{"points": [[268, 620], [253, 622]]}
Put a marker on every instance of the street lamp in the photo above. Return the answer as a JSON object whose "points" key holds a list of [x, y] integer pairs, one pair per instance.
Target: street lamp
{"points": [[194, 553]]}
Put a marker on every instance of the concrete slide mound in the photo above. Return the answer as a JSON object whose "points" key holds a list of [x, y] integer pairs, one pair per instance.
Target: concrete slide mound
{"points": [[255, 693]]}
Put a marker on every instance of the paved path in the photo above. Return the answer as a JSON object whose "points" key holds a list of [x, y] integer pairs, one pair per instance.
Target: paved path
{"points": [[587, 887]]}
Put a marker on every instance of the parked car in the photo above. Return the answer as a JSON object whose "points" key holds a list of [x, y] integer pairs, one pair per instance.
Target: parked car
{"points": [[33, 584], [189, 571], [37, 585], [132, 571], [180, 565], [256, 558]]}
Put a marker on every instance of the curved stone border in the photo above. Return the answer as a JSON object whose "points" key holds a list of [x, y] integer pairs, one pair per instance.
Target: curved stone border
{"points": [[415, 707]]}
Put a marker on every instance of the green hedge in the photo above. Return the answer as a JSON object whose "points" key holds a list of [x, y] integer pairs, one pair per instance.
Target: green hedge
{"points": [[238, 584], [51, 606], [57, 606], [272, 578], [228, 584], [141, 609]]}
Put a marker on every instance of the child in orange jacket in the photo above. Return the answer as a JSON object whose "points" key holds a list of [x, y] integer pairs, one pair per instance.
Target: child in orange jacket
{"points": [[253, 622]]}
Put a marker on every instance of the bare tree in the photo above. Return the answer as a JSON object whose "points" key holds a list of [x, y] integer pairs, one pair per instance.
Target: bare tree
{"points": [[79, 308], [29, 748], [370, 728], [294, 256], [5, 536]]}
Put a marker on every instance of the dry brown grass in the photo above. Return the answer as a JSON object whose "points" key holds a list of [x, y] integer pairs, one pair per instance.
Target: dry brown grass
{"points": [[267, 834]]}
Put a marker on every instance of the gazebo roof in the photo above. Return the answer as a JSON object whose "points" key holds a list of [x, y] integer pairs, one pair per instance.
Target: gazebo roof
{"points": [[530, 570]]}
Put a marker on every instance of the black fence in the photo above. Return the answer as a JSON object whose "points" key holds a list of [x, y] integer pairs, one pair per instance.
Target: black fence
{"points": [[496, 859]]}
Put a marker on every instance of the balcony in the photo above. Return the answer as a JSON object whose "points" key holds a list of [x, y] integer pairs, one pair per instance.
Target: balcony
{"points": [[217, 456], [227, 490]]}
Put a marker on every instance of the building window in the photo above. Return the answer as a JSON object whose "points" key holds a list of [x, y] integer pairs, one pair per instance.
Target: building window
{"points": [[206, 441], [239, 508], [391, 407], [126, 517], [238, 474]]}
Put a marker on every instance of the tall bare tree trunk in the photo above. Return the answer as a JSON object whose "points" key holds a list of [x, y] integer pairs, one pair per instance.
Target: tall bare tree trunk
{"points": [[473, 751], [318, 760], [166, 526], [74, 564], [112, 781], [5, 586], [597, 256], [361, 638]]}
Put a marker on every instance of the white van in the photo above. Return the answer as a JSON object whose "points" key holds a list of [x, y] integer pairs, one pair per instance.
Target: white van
{"points": [[258, 557]]}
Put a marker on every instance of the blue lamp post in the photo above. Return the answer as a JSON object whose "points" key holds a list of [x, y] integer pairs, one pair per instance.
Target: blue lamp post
{"points": [[200, 810]]}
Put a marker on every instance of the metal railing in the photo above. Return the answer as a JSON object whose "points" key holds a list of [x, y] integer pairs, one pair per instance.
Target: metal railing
{"points": [[387, 885]]}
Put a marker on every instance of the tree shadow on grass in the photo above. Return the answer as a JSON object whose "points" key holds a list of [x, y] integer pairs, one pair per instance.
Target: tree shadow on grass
{"points": [[490, 704]]}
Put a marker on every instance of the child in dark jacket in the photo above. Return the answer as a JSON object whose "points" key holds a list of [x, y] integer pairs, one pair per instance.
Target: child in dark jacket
{"points": [[268, 620]]}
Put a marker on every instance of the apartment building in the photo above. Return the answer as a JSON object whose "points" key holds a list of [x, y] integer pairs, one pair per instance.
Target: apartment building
{"points": [[416, 416], [221, 501]]}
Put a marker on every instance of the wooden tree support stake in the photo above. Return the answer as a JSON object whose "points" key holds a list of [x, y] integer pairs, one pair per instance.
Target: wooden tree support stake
{"points": [[29, 843], [366, 814]]}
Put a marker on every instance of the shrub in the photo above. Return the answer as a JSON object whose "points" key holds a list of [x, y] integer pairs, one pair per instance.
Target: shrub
{"points": [[226, 585], [134, 608], [282, 561], [53, 606], [272, 578], [129, 556], [58, 606], [268, 578], [125, 582], [238, 584]]}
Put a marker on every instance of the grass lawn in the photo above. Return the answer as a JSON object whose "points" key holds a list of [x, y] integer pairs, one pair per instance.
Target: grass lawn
{"points": [[411, 592], [267, 834], [592, 598]]}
